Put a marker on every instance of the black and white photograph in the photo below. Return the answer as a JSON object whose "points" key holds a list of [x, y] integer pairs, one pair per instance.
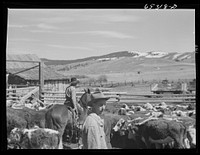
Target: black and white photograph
{"points": [[101, 78]]}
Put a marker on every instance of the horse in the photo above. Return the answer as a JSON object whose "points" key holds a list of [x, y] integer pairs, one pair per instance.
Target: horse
{"points": [[57, 117], [72, 131]]}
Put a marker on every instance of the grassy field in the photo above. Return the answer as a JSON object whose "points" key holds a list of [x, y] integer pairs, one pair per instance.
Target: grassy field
{"points": [[133, 90], [129, 69]]}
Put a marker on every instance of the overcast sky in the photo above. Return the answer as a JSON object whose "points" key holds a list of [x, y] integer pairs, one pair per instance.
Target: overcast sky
{"points": [[78, 33]]}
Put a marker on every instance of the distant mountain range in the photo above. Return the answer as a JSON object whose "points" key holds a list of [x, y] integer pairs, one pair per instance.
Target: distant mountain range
{"points": [[188, 57]]}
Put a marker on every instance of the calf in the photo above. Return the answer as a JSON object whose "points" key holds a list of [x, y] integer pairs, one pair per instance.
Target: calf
{"points": [[35, 138]]}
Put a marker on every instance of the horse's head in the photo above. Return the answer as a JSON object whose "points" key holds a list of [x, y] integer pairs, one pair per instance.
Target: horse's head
{"points": [[85, 98], [82, 106]]}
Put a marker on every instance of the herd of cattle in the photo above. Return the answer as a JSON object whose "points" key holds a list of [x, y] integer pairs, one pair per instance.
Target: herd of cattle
{"points": [[150, 126], [158, 126]]}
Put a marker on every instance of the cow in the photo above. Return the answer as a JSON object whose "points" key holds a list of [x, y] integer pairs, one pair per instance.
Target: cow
{"points": [[190, 113], [132, 107], [183, 107], [179, 113], [120, 139], [130, 112], [155, 114], [161, 105], [122, 111], [139, 108], [191, 107], [34, 138], [109, 122], [154, 133], [148, 106], [170, 132], [119, 124], [125, 106]]}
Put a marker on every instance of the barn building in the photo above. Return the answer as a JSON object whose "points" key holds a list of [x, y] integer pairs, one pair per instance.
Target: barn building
{"points": [[23, 70]]}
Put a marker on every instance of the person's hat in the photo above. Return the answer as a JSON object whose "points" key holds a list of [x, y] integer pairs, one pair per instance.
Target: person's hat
{"points": [[74, 80], [97, 96]]}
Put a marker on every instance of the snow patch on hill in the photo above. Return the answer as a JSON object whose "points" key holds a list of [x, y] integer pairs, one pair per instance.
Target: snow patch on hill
{"points": [[184, 57], [138, 54], [107, 59], [176, 55], [152, 54]]}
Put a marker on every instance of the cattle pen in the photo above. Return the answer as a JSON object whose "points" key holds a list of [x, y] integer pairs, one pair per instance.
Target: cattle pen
{"points": [[58, 97]]}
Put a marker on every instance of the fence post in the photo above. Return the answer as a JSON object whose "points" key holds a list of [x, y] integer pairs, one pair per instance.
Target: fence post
{"points": [[42, 97], [41, 79]]}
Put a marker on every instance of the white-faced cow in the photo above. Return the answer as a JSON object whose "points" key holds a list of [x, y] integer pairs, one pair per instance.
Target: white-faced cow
{"points": [[35, 138]]}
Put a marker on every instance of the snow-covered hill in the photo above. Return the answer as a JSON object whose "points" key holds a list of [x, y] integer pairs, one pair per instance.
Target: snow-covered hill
{"points": [[175, 56], [166, 55]]}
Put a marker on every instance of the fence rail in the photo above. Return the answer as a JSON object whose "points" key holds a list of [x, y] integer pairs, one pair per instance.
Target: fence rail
{"points": [[126, 97], [19, 94], [25, 88]]}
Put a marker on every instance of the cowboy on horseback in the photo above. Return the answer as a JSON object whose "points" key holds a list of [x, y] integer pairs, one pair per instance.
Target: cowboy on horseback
{"points": [[70, 94]]}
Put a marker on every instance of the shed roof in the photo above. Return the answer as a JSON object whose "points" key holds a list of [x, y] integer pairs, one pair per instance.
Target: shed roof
{"points": [[31, 58], [32, 74], [23, 57]]}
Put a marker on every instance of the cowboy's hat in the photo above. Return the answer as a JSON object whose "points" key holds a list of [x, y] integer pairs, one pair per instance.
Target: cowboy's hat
{"points": [[97, 96], [74, 80]]}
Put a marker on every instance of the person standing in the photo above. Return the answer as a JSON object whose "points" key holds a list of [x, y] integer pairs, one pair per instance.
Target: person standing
{"points": [[93, 135], [70, 95]]}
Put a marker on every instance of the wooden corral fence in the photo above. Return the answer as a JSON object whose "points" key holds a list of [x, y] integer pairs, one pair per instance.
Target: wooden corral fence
{"points": [[111, 84], [59, 97], [21, 94]]}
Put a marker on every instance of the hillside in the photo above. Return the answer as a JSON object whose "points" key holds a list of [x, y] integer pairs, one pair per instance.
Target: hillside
{"points": [[152, 54], [124, 65], [64, 62], [130, 66]]}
